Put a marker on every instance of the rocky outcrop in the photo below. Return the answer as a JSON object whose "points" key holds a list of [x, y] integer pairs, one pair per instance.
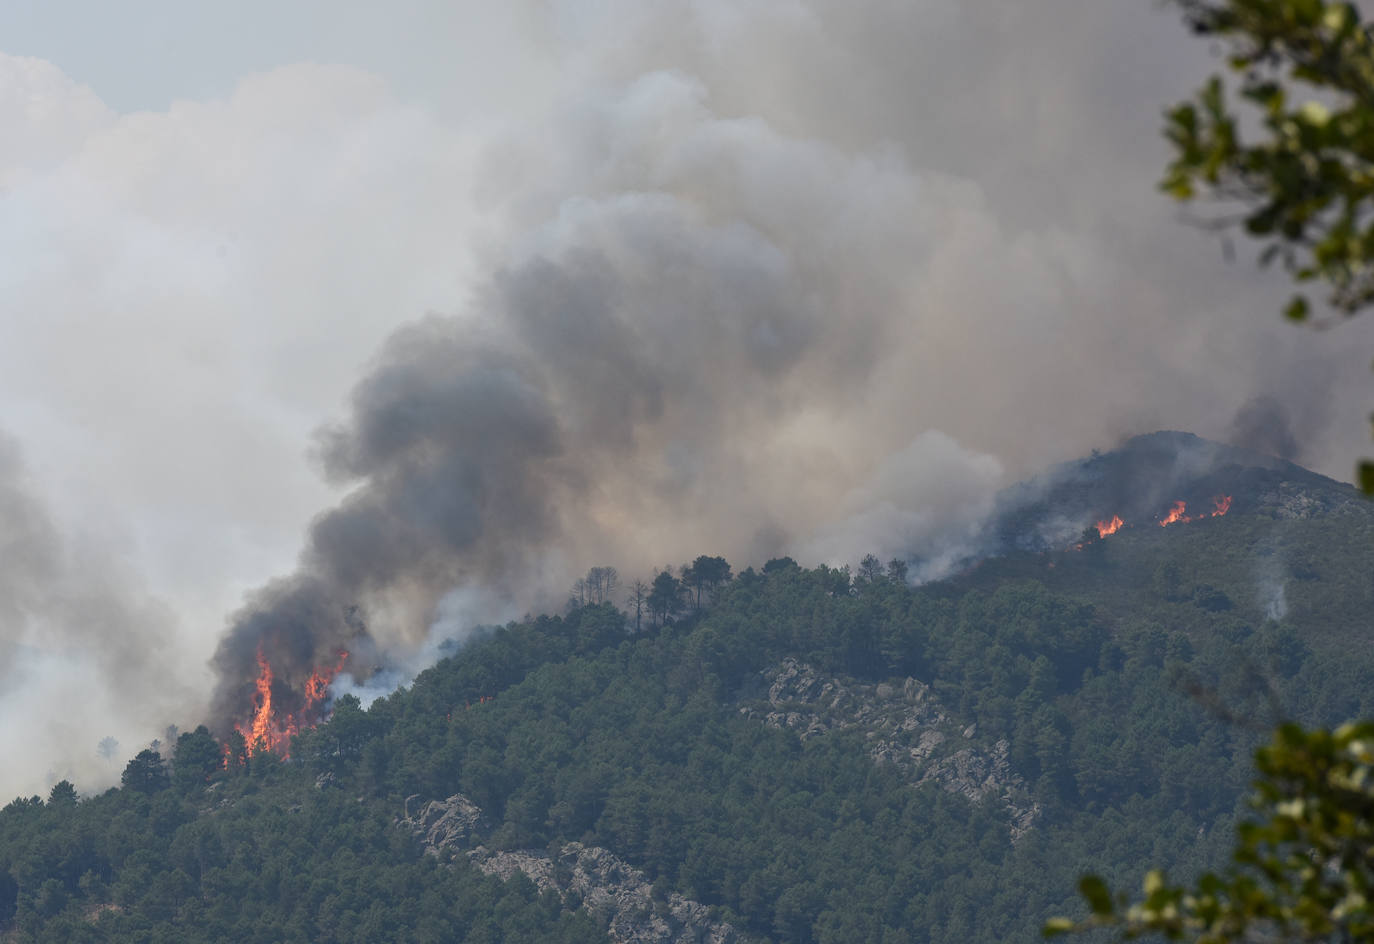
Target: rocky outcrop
{"points": [[609, 887], [1292, 501], [443, 824], [905, 725], [582, 876]]}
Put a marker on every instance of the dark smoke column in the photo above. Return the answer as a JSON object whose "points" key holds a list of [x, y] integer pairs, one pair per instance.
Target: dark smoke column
{"points": [[452, 443]]}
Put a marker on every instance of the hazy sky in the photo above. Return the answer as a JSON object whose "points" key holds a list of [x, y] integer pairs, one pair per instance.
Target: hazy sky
{"points": [[812, 276], [143, 56]]}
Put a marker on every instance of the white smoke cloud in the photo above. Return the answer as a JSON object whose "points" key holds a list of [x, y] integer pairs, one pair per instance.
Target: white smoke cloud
{"points": [[188, 294], [84, 653], [462, 615], [801, 275], [1271, 586], [926, 502]]}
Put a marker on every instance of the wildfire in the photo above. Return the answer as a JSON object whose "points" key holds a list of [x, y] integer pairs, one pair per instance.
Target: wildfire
{"points": [[1105, 527], [317, 686], [271, 729], [1220, 506], [260, 728], [1175, 514], [1178, 512]]}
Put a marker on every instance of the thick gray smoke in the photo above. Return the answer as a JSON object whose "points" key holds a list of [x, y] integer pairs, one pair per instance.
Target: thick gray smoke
{"points": [[454, 442], [1262, 424], [641, 380], [723, 319], [785, 276]]}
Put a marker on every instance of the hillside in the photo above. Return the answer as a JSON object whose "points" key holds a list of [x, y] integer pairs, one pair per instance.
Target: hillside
{"points": [[812, 756]]}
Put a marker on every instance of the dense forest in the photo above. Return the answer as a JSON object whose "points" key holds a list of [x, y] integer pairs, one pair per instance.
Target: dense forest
{"points": [[1093, 707]]}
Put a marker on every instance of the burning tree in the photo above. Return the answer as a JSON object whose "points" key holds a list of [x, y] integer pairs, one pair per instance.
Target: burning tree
{"points": [[274, 719]]}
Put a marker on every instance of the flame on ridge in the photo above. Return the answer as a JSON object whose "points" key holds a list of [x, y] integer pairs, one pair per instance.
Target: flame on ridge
{"points": [[1220, 506], [1175, 514], [1178, 512], [1106, 527]]}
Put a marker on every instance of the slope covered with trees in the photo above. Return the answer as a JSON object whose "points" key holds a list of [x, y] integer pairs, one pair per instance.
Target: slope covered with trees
{"points": [[1118, 689]]}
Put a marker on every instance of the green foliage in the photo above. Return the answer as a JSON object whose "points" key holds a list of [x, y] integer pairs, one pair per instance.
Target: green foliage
{"points": [[1303, 870], [665, 597], [282, 862], [779, 563], [146, 773], [705, 574], [1304, 188], [198, 759], [653, 745], [63, 793], [635, 746], [236, 754]]}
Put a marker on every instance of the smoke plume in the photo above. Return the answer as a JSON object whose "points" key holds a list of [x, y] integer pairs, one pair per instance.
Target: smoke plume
{"points": [[1262, 424], [680, 358], [788, 276], [702, 333]]}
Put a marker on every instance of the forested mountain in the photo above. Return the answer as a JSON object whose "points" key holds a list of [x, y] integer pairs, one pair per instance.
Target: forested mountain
{"points": [[788, 754]]}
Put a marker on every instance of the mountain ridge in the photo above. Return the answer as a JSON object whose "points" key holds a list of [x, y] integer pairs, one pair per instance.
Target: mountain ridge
{"points": [[819, 812], [1142, 478]]}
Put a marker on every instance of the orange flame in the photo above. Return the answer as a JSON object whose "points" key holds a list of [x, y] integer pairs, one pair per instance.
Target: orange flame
{"points": [[271, 730], [317, 686], [1175, 514], [1221, 505], [260, 728], [1106, 527]]}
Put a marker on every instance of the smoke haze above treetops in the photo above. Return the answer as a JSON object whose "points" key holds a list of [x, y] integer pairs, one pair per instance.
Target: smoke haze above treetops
{"points": [[650, 281]]}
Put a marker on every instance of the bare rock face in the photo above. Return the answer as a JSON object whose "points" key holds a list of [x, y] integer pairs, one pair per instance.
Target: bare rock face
{"points": [[905, 726], [589, 876], [1293, 502], [615, 891], [443, 824]]}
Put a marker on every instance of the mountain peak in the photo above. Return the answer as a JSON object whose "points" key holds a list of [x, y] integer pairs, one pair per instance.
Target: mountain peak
{"points": [[1146, 476]]}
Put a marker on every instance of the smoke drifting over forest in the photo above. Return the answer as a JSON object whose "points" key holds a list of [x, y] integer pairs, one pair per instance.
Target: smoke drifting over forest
{"points": [[813, 278]]}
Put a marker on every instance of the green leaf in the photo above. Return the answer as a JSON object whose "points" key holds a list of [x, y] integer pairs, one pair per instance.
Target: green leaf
{"points": [[1056, 926], [1366, 477], [1336, 17], [1178, 186], [1268, 95], [1095, 891], [1296, 309], [1315, 114], [1307, 11]]}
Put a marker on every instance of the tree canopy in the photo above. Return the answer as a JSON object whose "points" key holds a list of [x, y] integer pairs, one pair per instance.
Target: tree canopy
{"points": [[146, 773], [777, 811], [1302, 870], [1303, 866]]}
